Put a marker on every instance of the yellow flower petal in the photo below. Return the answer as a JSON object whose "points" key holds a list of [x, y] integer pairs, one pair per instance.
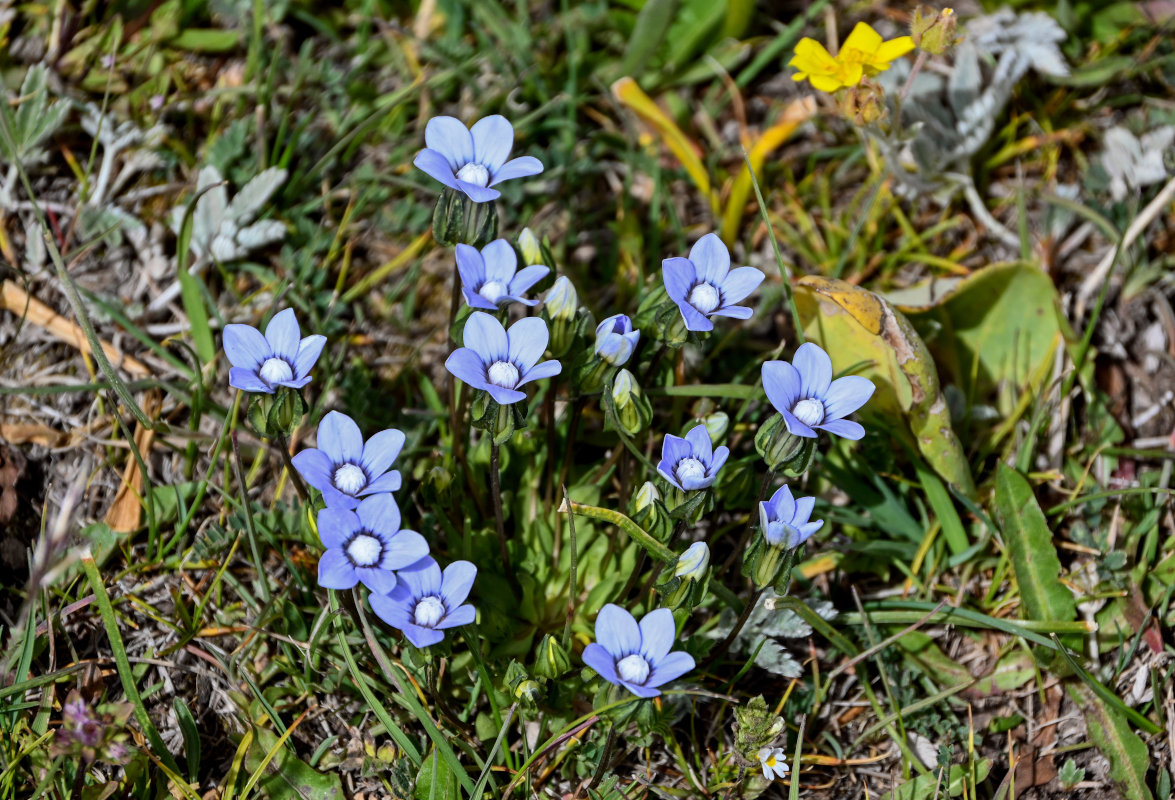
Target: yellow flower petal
{"points": [[893, 50], [812, 57], [863, 39], [825, 83]]}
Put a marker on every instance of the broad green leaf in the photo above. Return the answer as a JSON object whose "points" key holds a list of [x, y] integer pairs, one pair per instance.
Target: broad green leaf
{"points": [[652, 23], [1030, 544], [1126, 752], [994, 333], [287, 775], [206, 40], [1011, 672], [855, 325], [435, 781]]}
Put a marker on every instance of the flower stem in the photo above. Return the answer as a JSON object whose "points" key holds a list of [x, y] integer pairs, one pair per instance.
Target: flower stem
{"points": [[262, 575], [634, 531], [741, 547], [604, 759], [283, 445], [496, 493], [914, 70]]}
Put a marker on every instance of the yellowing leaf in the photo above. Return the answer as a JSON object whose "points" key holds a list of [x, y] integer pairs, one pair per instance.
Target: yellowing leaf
{"points": [[797, 113], [855, 325], [683, 148]]}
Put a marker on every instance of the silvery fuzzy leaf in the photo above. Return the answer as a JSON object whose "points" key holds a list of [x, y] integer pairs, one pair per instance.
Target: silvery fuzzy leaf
{"points": [[964, 85], [776, 660], [260, 234], [210, 208], [223, 248], [1131, 163], [34, 244], [35, 119], [255, 194]]}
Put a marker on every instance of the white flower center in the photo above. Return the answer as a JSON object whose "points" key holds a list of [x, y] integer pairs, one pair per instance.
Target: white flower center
{"points": [[782, 535], [429, 611], [349, 478], [474, 173], [633, 669], [809, 412], [364, 550], [276, 370], [492, 290], [704, 297], [690, 469], [504, 374]]}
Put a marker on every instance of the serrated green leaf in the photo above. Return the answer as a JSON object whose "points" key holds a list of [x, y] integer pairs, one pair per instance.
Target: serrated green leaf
{"points": [[1126, 752]]}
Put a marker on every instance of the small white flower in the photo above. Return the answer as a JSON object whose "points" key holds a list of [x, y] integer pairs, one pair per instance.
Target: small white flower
{"points": [[774, 762]]}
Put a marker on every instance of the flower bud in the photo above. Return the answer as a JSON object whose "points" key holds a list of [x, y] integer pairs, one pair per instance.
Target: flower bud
{"points": [[717, 424], [632, 410], [755, 727], [562, 301], [782, 449], [616, 339], [692, 564], [552, 660], [528, 245], [645, 497], [648, 511], [934, 31], [864, 103]]}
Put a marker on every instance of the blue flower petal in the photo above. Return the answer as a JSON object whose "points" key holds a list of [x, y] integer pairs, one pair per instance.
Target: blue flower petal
{"points": [[721, 453], [475, 300], [845, 395], [451, 139], [469, 366], [740, 283], [782, 384], [844, 428], [674, 449], [423, 577], [640, 691], [388, 482], [478, 194], [711, 258], [470, 266], [603, 662], [380, 581], [803, 511], [783, 505], [794, 426], [456, 583], [679, 276], [461, 615], [422, 637], [245, 346], [404, 549], [487, 337], [247, 381], [658, 632], [381, 450], [340, 438], [694, 320], [336, 526], [669, 668], [528, 341], [501, 262], [391, 610], [309, 349], [295, 383], [436, 166], [522, 167], [380, 515], [815, 368], [493, 138], [315, 467], [545, 369], [617, 631], [503, 396], [698, 439], [336, 499], [335, 571], [527, 277], [283, 335], [733, 312]]}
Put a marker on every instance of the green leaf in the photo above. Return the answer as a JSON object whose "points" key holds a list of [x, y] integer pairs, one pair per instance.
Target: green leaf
{"points": [[1030, 543], [435, 781], [925, 787], [994, 333], [651, 25], [1127, 754], [206, 40], [286, 774]]}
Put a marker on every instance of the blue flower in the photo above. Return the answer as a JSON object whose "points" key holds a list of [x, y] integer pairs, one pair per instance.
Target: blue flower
{"points": [[491, 278], [807, 396], [425, 601], [635, 656], [279, 358], [366, 545], [615, 340], [784, 520], [473, 160], [705, 286], [344, 468], [693, 462], [499, 361]]}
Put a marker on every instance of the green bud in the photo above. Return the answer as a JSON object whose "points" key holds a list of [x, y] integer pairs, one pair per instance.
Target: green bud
{"points": [[934, 31], [692, 564], [644, 499], [648, 511], [552, 660], [631, 409], [562, 301], [767, 566], [501, 421], [717, 425], [528, 245], [528, 693], [458, 220], [782, 449], [690, 578], [277, 414], [438, 487]]}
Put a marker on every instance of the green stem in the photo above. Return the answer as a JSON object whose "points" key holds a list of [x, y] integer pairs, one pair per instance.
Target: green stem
{"points": [[634, 531], [784, 273]]}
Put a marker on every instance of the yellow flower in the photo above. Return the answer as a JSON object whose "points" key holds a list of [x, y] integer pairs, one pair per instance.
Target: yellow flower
{"points": [[864, 53]]}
